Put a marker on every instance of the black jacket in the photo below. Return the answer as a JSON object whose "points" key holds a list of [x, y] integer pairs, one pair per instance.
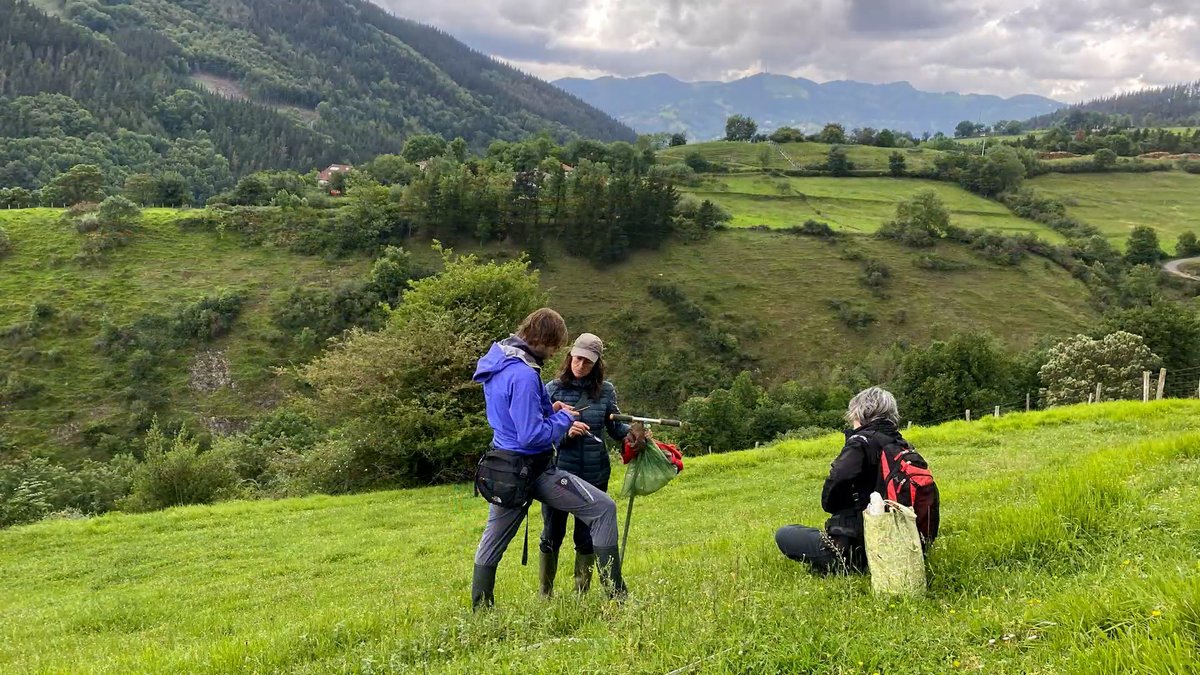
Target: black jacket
{"points": [[587, 457], [853, 476]]}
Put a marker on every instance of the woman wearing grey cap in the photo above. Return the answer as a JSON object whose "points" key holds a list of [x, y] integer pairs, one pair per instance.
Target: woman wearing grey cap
{"points": [[581, 385]]}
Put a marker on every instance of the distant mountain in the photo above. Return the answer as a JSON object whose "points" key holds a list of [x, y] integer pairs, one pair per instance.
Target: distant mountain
{"points": [[662, 103], [1172, 105], [151, 85]]}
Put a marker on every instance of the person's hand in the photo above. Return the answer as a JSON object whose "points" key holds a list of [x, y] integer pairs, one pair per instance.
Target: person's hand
{"points": [[559, 405], [638, 434], [578, 429]]}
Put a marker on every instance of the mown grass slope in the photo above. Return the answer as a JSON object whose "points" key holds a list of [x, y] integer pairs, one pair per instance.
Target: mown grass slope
{"points": [[1168, 201], [775, 290], [854, 205], [1069, 544], [772, 289], [738, 156]]}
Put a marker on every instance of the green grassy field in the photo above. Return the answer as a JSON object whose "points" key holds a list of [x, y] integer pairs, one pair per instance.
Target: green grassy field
{"points": [[749, 156], [162, 267], [853, 205], [774, 287], [1069, 544], [1168, 201], [771, 288]]}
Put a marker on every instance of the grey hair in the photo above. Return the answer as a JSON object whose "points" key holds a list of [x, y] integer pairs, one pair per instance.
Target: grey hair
{"points": [[871, 404]]}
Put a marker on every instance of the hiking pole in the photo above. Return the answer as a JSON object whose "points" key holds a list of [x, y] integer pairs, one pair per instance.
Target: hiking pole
{"points": [[645, 420], [628, 518]]}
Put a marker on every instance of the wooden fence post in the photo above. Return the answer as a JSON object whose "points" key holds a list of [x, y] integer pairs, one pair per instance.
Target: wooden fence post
{"points": [[1162, 382], [968, 414], [1091, 398], [1145, 386], [997, 413], [1099, 389], [1026, 401]]}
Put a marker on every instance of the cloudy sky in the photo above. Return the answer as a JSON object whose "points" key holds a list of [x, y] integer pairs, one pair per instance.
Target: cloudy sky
{"points": [[1066, 49]]}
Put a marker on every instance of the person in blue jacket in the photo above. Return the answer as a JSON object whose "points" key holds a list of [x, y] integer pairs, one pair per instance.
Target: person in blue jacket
{"points": [[524, 421]]}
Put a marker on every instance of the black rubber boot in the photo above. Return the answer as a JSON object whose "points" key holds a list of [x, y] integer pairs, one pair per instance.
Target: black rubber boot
{"points": [[483, 587], [608, 561], [547, 569], [583, 571]]}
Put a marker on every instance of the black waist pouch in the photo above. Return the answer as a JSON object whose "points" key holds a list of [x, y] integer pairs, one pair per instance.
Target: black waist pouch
{"points": [[505, 478]]}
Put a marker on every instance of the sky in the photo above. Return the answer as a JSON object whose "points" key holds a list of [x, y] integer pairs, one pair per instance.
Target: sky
{"points": [[1069, 50]]}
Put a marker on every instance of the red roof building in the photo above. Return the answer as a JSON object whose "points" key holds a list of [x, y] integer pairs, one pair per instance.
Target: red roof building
{"points": [[324, 176]]}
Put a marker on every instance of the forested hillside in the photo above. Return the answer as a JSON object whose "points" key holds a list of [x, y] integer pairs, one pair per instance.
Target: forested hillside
{"points": [[1177, 104], [129, 86]]}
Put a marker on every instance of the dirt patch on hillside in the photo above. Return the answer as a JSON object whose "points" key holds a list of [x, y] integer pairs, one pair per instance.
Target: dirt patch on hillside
{"points": [[210, 372], [221, 86]]}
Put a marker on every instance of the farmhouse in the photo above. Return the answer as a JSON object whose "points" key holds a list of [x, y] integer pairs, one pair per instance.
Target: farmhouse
{"points": [[324, 176]]}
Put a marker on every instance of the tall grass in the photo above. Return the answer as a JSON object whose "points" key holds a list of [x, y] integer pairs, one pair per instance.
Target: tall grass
{"points": [[1069, 544]]}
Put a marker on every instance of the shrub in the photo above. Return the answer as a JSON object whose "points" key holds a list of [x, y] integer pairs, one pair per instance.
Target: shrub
{"points": [[813, 228], [936, 263], [117, 212], [852, 317], [268, 453], [1142, 248], [1170, 330], [33, 488], [1076, 365], [1185, 247], [175, 471], [876, 275], [421, 419], [208, 318], [391, 273], [325, 312], [944, 378], [920, 221]]}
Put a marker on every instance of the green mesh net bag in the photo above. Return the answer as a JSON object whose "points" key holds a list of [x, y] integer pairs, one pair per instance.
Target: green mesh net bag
{"points": [[651, 468]]}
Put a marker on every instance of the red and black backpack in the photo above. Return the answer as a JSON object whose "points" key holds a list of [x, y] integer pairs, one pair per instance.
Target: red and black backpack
{"points": [[904, 478]]}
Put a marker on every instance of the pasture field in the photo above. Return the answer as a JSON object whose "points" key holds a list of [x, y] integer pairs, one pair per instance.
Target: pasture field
{"points": [[851, 204], [1168, 201], [1069, 545], [738, 156]]}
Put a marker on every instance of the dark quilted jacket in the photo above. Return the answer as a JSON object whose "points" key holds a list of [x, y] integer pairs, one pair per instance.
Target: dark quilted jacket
{"points": [[583, 456]]}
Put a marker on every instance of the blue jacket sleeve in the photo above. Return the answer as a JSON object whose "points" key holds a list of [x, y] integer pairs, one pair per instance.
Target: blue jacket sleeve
{"points": [[534, 429]]}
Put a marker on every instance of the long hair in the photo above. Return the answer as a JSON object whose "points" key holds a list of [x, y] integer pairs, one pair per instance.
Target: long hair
{"points": [[592, 384]]}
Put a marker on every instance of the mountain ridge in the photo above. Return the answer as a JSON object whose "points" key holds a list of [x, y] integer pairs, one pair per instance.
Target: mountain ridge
{"points": [[660, 102]]}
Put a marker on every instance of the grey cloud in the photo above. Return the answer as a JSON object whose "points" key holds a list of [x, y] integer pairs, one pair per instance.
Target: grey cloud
{"points": [[905, 16], [1070, 49]]}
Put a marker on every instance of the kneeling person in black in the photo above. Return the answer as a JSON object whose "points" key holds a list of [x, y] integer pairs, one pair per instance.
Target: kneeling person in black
{"points": [[839, 548]]}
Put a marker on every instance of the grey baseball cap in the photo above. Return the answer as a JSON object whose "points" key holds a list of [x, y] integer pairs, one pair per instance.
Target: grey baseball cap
{"points": [[589, 347]]}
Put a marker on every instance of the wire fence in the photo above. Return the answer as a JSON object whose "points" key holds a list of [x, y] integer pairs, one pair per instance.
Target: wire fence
{"points": [[1150, 386], [1183, 383]]}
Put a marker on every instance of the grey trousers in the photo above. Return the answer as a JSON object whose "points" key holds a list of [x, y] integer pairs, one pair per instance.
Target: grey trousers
{"points": [[560, 490]]}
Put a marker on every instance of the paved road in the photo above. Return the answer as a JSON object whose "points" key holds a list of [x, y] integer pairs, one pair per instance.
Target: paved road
{"points": [[1172, 267]]}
